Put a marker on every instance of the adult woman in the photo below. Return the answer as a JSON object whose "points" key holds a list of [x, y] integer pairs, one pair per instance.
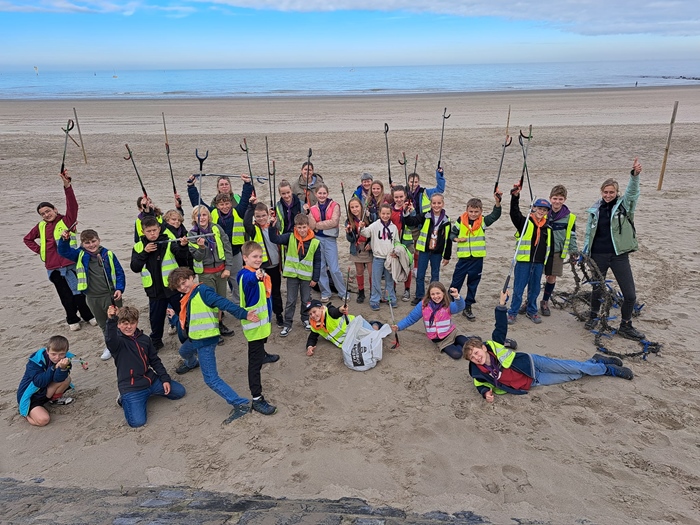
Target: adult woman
{"points": [[610, 237]]}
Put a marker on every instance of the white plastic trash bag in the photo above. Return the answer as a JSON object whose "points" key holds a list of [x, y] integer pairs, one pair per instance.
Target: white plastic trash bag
{"points": [[362, 347]]}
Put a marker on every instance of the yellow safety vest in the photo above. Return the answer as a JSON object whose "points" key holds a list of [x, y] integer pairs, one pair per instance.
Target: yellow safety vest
{"points": [[81, 271], [569, 228], [198, 266], [202, 321], [505, 357], [57, 231], [238, 232], [422, 241], [256, 330], [167, 265], [261, 241], [300, 269], [525, 246], [334, 328], [475, 245]]}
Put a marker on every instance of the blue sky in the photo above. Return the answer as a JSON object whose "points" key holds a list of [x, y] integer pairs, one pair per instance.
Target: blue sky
{"points": [[185, 34]]}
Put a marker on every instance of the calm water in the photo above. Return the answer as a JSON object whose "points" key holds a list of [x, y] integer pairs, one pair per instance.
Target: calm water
{"points": [[27, 85]]}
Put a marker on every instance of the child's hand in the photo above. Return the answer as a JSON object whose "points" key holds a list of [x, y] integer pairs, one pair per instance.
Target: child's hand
{"points": [[117, 295], [394, 328], [112, 311], [273, 217], [178, 200], [252, 317], [200, 242], [191, 179], [343, 310], [504, 297], [312, 283], [65, 178], [245, 178], [310, 350], [65, 235], [63, 364], [460, 239], [253, 199], [440, 171], [489, 396], [170, 312], [150, 247], [225, 274], [454, 293], [498, 196], [260, 274], [515, 192], [183, 241], [306, 207], [445, 262], [166, 388]]}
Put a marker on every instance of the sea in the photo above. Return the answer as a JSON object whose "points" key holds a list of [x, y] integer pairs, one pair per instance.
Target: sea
{"points": [[48, 84]]}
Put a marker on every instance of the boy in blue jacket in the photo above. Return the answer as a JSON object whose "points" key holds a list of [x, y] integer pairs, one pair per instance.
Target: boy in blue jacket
{"points": [[198, 328], [498, 369], [140, 372], [100, 276], [45, 379]]}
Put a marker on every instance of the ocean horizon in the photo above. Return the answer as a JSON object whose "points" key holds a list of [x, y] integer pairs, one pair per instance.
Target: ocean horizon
{"points": [[115, 84]]}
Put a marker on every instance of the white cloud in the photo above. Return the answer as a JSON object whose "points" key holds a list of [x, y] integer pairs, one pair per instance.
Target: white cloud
{"points": [[588, 17]]}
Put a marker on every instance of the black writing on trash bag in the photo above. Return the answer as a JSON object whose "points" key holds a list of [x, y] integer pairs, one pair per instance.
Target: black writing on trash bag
{"points": [[356, 354]]}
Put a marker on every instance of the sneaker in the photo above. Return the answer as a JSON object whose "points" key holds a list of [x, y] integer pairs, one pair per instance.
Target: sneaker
{"points": [[512, 319], [285, 331], [360, 296], [158, 345], [535, 318], [172, 330], [544, 309], [606, 360], [511, 343], [619, 371], [183, 368], [119, 400], [63, 400], [325, 299], [591, 323], [224, 330], [467, 312], [406, 295], [74, 327], [307, 325], [280, 321], [271, 358], [221, 341], [106, 355], [628, 331], [523, 309], [415, 301], [93, 322], [374, 306], [238, 411], [262, 406]]}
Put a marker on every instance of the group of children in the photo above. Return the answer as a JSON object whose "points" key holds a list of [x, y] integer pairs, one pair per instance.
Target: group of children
{"points": [[241, 244]]}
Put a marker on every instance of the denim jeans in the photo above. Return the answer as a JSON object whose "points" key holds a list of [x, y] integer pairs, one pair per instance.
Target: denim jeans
{"points": [[550, 371], [329, 259], [530, 275], [134, 403], [468, 268], [204, 352], [378, 270], [435, 260]]}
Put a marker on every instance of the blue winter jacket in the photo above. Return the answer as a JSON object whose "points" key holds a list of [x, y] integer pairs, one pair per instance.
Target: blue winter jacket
{"points": [[38, 375]]}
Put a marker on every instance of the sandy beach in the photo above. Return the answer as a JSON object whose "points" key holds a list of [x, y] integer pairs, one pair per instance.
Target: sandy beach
{"points": [[412, 433]]}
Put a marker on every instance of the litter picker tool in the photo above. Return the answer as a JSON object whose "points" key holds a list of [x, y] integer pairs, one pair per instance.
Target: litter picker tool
{"points": [[80, 135], [201, 173], [445, 116], [347, 212], [393, 322], [506, 142], [130, 157], [69, 126], [405, 168], [525, 147], [345, 305], [308, 167], [517, 246], [270, 175], [190, 238], [415, 168], [167, 152], [388, 159]]}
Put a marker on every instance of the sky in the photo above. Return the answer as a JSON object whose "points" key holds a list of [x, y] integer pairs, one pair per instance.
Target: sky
{"points": [[194, 34]]}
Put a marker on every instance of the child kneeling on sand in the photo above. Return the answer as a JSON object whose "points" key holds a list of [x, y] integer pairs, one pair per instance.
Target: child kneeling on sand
{"points": [[45, 379], [497, 369], [140, 373]]}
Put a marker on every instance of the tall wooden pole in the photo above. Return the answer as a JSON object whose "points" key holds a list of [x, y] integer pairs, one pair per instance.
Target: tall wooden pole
{"points": [[668, 146]]}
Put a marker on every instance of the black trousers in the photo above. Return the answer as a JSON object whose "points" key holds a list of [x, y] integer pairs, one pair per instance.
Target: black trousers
{"points": [[256, 355], [620, 266], [157, 311], [72, 304]]}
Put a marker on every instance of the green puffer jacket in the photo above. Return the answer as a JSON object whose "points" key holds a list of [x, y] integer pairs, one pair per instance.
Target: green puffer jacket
{"points": [[624, 236]]}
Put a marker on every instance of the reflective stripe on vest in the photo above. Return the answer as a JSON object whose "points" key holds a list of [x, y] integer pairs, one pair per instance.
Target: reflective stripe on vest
{"points": [[167, 265], [57, 231], [238, 231], [139, 228], [569, 228], [256, 330], [202, 321], [442, 323], [198, 266], [475, 245], [82, 274], [525, 246], [335, 329], [422, 241], [300, 269], [261, 242]]}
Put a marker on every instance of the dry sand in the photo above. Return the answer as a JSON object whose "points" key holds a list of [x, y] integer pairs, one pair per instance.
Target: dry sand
{"points": [[412, 432]]}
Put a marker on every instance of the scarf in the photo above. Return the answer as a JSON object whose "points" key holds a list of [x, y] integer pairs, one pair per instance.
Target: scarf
{"points": [[473, 226], [540, 224], [386, 232], [323, 207], [493, 368], [183, 306], [210, 242], [434, 308], [301, 251], [563, 212]]}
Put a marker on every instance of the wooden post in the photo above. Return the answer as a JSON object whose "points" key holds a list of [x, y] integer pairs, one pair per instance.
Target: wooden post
{"points": [[668, 146], [80, 135]]}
